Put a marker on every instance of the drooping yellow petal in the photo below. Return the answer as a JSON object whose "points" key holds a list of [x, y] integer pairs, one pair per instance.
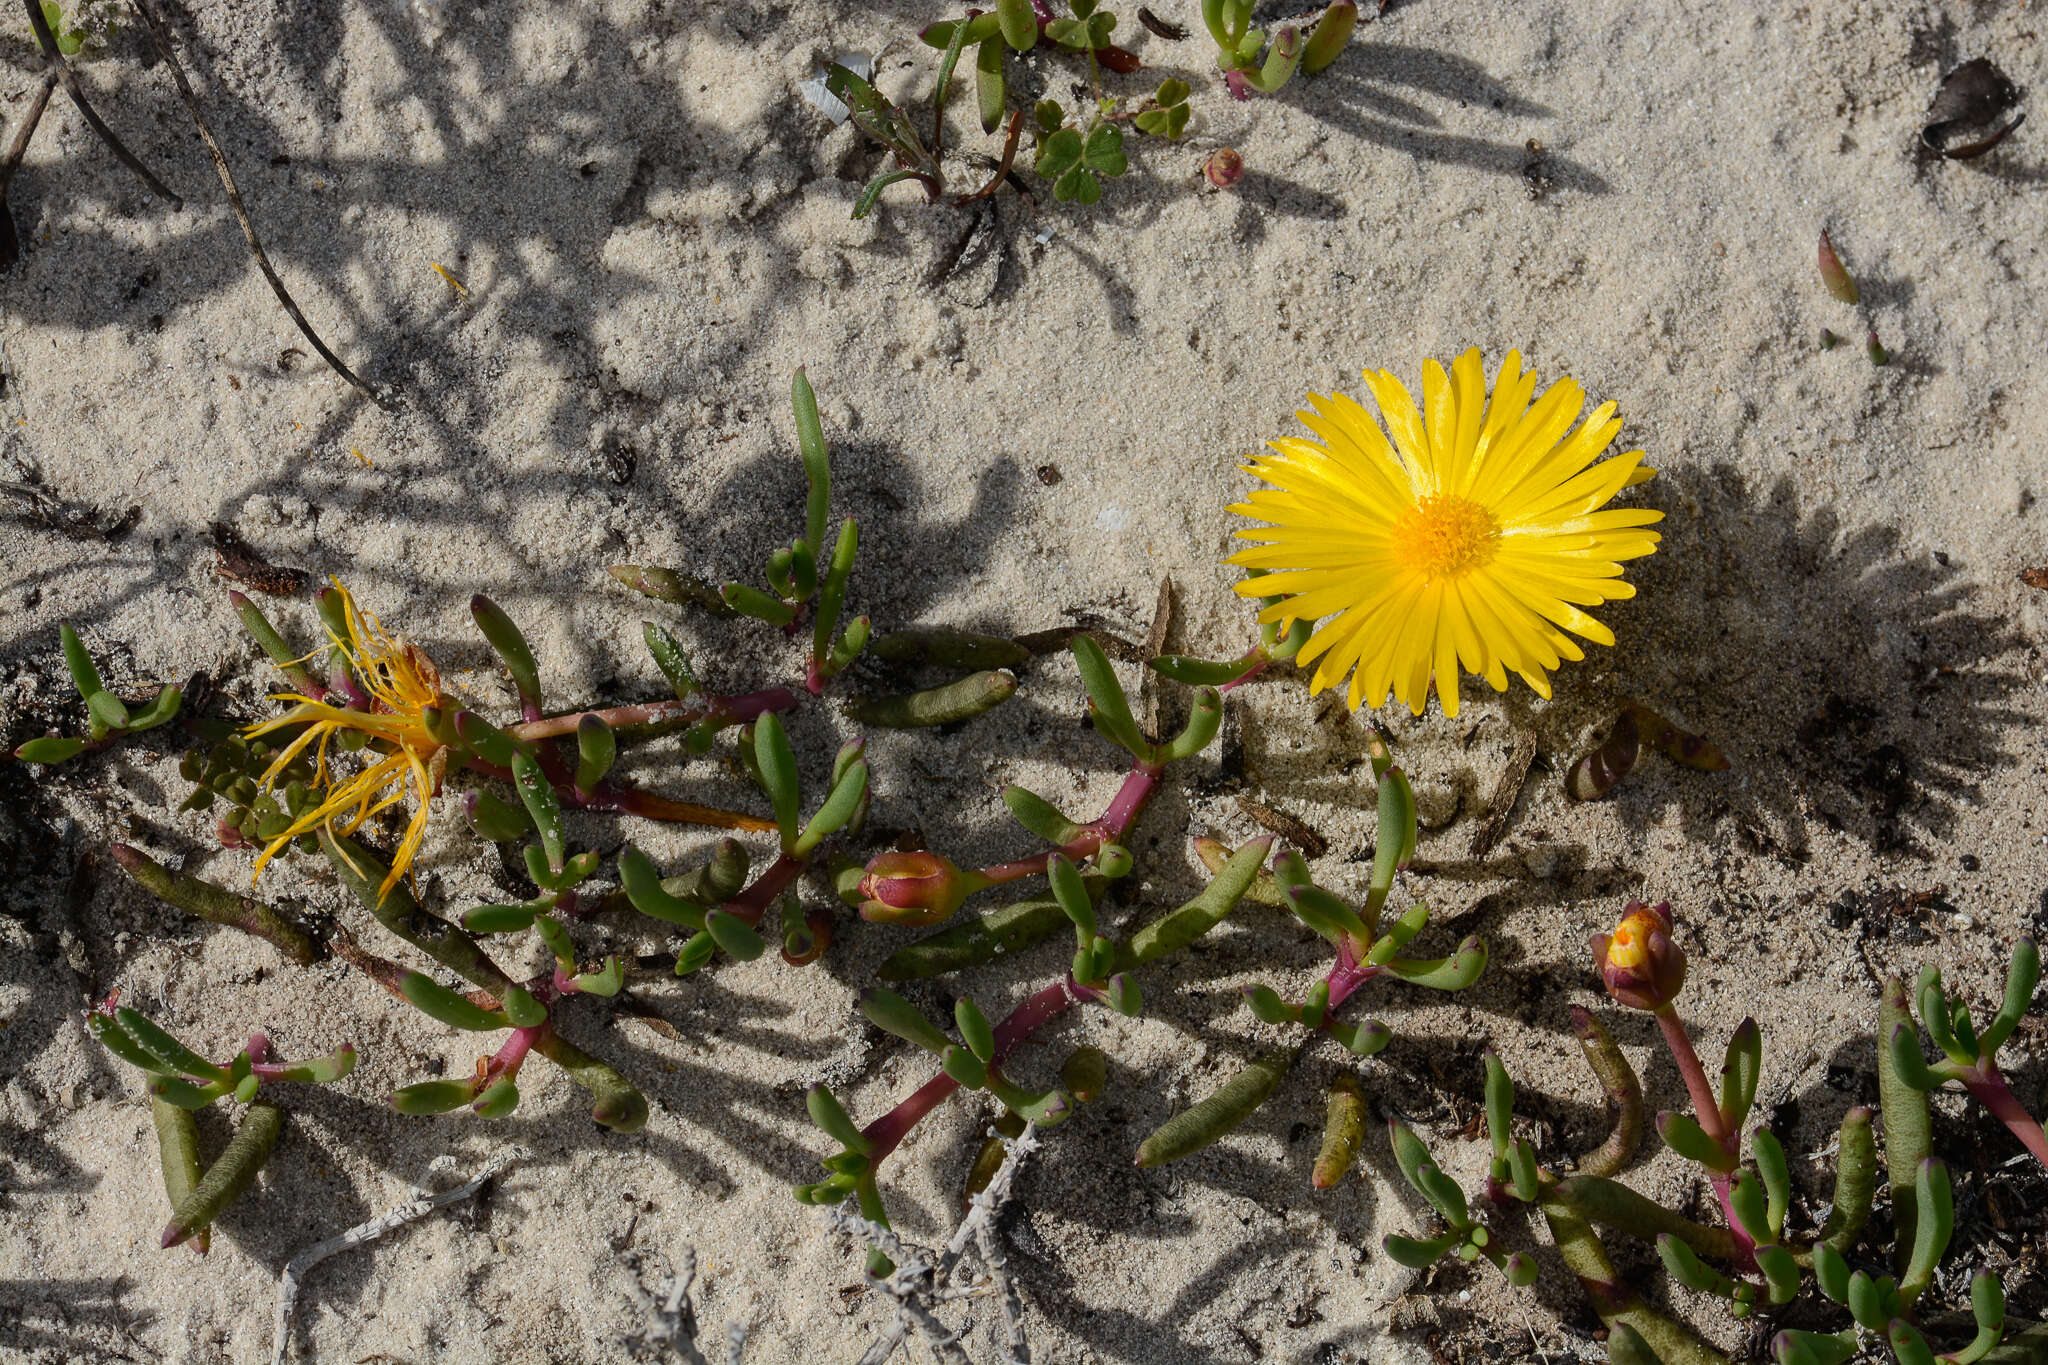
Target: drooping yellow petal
{"points": [[400, 682]]}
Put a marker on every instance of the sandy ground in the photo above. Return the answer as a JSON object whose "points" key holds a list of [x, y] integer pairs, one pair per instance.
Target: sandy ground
{"points": [[654, 233]]}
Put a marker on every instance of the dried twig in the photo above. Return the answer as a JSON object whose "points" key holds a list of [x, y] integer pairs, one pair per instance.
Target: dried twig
{"points": [[918, 1285], [1155, 645], [982, 1218], [53, 61], [158, 31], [911, 1284], [672, 1319], [295, 1270], [77, 520], [1505, 794], [675, 1317], [10, 244], [240, 562], [26, 130], [1297, 832]]}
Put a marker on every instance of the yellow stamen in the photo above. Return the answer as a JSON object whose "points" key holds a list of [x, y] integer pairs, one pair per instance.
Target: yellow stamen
{"points": [[1445, 537]]}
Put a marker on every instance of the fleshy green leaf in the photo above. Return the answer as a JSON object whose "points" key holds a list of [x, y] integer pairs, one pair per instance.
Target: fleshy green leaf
{"points": [[436, 1001], [50, 749]]}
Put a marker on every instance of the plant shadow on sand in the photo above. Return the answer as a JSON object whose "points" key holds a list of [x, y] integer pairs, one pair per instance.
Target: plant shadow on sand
{"points": [[1853, 682], [544, 218]]}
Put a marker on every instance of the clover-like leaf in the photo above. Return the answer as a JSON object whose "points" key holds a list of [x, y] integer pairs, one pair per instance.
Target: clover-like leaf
{"points": [[1168, 123], [1077, 185], [1103, 153], [1068, 33], [1048, 115], [1058, 154], [69, 41], [1019, 24], [1168, 120]]}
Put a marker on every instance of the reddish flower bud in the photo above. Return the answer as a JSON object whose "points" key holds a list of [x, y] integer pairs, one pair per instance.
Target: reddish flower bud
{"points": [[1642, 968], [1225, 167], [914, 888]]}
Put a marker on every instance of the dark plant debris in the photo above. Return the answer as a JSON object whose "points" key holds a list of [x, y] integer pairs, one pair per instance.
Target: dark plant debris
{"points": [[1505, 794], [1535, 170], [1971, 99], [77, 520], [239, 562], [1297, 832], [1173, 33]]}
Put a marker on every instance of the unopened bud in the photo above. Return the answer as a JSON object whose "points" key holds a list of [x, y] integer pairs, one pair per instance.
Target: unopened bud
{"points": [[916, 888], [1224, 168]]}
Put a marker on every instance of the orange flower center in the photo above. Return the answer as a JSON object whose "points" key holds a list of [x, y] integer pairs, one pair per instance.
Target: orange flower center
{"points": [[1446, 537], [1630, 944]]}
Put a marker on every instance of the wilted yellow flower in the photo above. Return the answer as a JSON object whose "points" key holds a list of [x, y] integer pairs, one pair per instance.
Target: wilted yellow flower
{"points": [[402, 683], [1473, 539], [1639, 964]]}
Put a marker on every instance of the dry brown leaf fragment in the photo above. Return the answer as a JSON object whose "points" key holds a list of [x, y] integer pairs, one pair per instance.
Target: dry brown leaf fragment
{"points": [[242, 564], [1971, 98], [1297, 832]]}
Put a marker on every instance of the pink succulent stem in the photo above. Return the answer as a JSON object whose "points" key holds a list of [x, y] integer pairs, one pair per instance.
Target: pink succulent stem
{"points": [[753, 902], [1040, 1009], [1991, 1091], [506, 1060], [1258, 664], [1707, 1109], [612, 796], [342, 681], [1349, 973], [1048, 1004], [1110, 827]]}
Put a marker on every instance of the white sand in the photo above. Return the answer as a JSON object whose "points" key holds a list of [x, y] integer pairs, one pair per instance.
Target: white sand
{"points": [[654, 233]]}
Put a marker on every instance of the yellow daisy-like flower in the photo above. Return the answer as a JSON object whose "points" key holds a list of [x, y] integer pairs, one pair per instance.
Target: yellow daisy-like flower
{"points": [[1472, 539], [402, 683]]}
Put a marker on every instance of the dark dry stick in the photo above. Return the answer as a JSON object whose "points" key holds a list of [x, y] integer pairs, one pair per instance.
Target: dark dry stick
{"points": [[10, 245], [158, 31], [27, 130], [1505, 795], [53, 60], [1155, 645]]}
